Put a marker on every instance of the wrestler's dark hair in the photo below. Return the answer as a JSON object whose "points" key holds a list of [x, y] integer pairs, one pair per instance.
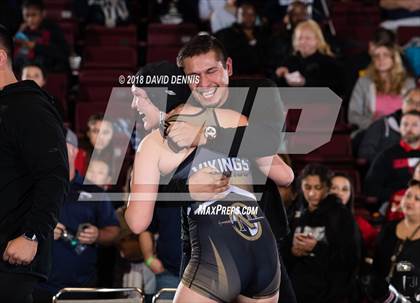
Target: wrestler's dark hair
{"points": [[6, 43], [315, 169], [38, 4], [199, 45]]}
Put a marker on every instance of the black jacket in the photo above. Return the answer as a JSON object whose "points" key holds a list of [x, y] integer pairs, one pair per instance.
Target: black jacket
{"points": [[318, 70], [247, 58], [33, 170], [328, 274], [390, 171]]}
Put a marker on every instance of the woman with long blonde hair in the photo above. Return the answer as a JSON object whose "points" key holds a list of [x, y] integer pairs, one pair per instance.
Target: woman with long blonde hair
{"points": [[379, 92], [312, 63]]}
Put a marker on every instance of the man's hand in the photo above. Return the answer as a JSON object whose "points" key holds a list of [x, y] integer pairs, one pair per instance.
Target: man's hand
{"points": [[305, 243], [20, 251], [88, 235], [186, 135], [282, 71], [58, 231], [206, 184], [156, 266]]}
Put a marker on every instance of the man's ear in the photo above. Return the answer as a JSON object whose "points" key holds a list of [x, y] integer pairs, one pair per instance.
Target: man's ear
{"points": [[4, 59], [229, 66]]}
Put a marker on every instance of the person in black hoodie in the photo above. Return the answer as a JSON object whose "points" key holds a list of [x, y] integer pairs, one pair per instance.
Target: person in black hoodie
{"points": [[33, 179], [41, 40], [323, 253]]}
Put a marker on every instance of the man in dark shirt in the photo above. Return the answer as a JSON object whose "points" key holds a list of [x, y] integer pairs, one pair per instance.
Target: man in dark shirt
{"points": [[33, 179], [392, 169], [245, 42]]}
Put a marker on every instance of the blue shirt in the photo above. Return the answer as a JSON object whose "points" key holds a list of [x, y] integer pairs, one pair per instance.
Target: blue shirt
{"points": [[167, 223], [70, 269]]}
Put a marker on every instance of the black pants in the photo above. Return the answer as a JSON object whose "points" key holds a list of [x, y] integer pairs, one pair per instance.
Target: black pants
{"points": [[16, 288]]}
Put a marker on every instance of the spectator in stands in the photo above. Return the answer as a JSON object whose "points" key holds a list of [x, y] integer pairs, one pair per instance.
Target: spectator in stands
{"points": [[245, 42], [165, 262], [223, 17], [207, 7], [98, 173], [323, 250], [40, 39], [379, 92], [392, 169], [281, 46], [355, 65], [396, 13], [110, 13], [342, 187], [385, 132], [394, 211], [313, 63], [99, 134], [397, 258], [36, 72], [82, 226]]}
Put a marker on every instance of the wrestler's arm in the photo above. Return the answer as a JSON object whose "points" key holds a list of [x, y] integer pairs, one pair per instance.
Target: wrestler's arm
{"points": [[145, 183], [276, 169]]}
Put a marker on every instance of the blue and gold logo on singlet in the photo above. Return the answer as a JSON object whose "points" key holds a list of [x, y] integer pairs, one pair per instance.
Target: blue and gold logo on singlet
{"points": [[247, 225]]}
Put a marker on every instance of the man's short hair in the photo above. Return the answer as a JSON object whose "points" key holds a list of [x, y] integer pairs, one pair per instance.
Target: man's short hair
{"points": [[412, 113], [38, 4], [6, 42], [414, 183], [95, 118], [199, 45]]}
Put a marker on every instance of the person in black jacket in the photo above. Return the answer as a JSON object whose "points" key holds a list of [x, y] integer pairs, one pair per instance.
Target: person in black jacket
{"points": [[393, 168], [312, 64], [41, 40], [33, 179], [323, 253], [245, 42]]}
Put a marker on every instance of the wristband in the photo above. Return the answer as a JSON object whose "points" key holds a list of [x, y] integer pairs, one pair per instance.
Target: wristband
{"points": [[149, 261]]}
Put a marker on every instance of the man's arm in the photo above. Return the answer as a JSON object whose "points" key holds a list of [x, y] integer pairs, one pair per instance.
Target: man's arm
{"points": [[396, 4], [108, 235], [41, 142]]}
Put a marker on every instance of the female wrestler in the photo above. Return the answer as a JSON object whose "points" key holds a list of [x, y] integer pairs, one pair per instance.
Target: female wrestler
{"points": [[233, 255]]}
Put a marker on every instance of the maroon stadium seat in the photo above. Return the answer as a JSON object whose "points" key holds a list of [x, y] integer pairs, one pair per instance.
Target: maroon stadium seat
{"points": [[110, 57], [405, 33], [70, 29], [83, 111], [56, 86], [119, 36], [165, 40], [337, 152], [96, 85], [58, 4]]}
